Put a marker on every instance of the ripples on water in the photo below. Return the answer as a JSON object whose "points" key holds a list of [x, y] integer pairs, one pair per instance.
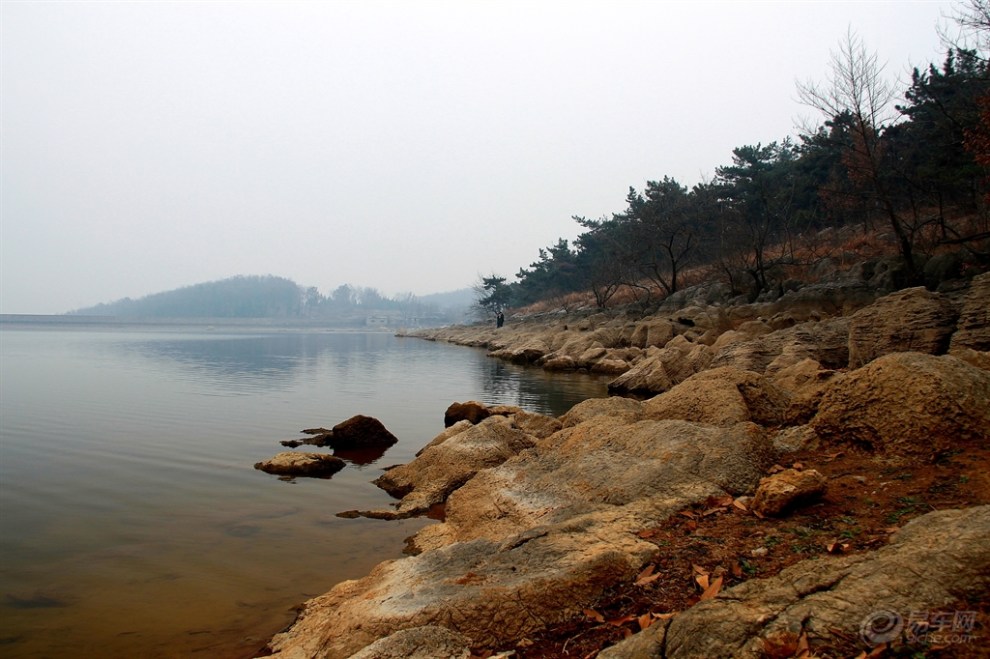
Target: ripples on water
{"points": [[131, 520]]}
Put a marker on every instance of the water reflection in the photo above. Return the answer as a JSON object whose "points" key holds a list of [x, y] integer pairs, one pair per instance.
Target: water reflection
{"points": [[366, 361]]}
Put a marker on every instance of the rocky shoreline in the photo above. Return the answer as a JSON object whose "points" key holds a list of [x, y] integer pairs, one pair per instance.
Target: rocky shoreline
{"points": [[835, 443]]}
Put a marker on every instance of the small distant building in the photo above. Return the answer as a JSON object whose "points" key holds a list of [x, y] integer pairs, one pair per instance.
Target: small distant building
{"points": [[376, 321]]}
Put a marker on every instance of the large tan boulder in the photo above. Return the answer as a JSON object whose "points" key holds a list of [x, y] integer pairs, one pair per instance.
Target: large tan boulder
{"points": [[621, 411], [804, 383], [494, 593], [633, 472], [913, 319], [907, 401], [660, 369], [443, 467], [720, 396], [652, 332], [972, 338], [826, 342]]}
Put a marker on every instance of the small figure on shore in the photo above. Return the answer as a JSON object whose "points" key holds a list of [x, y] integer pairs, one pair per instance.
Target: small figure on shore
{"points": [[499, 319]]}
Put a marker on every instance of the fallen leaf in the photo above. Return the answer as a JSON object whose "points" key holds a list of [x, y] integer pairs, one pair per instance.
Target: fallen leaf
{"points": [[524, 643], [837, 547], [736, 569], [691, 525], [798, 466], [879, 650], [712, 590], [647, 580], [647, 571], [647, 533], [712, 511], [618, 622], [702, 580], [776, 469], [740, 505], [802, 645], [664, 616], [697, 569], [688, 514], [644, 621], [723, 501], [626, 633], [591, 614]]}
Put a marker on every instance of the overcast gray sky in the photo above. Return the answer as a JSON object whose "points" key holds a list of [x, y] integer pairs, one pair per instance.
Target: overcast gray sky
{"points": [[407, 146]]}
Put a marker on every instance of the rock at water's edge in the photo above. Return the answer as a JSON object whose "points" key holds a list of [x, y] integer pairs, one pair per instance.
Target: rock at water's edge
{"points": [[361, 432], [292, 463]]}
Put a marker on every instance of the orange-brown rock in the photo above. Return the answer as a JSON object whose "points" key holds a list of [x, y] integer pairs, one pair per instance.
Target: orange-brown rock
{"points": [[778, 492]]}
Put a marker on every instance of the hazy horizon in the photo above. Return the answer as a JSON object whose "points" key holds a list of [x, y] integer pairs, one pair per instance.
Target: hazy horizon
{"points": [[403, 146]]}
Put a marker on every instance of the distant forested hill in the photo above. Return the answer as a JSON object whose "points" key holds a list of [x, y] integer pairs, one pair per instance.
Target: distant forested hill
{"points": [[237, 297], [280, 298]]}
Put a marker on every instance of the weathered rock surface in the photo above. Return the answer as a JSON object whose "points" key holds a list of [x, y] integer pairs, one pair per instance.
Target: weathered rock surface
{"points": [[778, 492], [443, 467], [537, 538], [972, 338], [907, 402], [625, 474], [430, 642], [292, 463], [720, 396], [936, 559], [662, 368], [619, 410], [825, 342], [914, 319]]}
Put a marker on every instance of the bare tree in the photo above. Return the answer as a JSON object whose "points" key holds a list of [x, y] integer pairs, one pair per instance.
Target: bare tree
{"points": [[972, 19], [857, 89]]}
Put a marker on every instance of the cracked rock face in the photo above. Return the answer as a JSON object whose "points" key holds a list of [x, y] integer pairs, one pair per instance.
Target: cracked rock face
{"points": [[907, 401], [910, 320], [934, 560]]}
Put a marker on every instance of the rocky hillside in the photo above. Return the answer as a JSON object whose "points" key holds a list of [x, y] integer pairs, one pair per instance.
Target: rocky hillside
{"points": [[803, 477]]}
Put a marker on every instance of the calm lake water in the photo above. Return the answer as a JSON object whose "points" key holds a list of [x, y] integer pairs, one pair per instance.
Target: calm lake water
{"points": [[132, 521]]}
